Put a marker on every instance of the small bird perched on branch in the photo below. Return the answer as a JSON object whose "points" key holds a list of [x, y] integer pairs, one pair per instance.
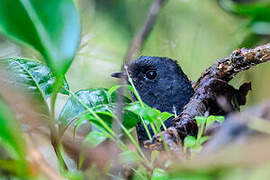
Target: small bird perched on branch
{"points": [[161, 84]]}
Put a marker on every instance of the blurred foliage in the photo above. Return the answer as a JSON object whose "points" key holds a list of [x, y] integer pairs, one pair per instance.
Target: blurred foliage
{"points": [[258, 12], [194, 32], [12, 149], [55, 35]]}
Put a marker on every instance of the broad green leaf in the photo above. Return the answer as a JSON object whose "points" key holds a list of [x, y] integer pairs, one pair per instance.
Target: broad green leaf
{"points": [[10, 134], [74, 107], [95, 99], [159, 174], [52, 27], [94, 138], [32, 75], [130, 119], [129, 157]]}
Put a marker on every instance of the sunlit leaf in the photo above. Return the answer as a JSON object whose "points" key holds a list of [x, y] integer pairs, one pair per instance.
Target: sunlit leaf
{"points": [[52, 27], [32, 75]]}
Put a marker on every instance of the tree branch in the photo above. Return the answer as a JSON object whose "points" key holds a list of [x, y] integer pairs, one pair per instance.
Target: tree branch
{"points": [[212, 87]]}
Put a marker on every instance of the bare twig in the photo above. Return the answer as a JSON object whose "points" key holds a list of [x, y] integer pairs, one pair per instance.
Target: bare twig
{"points": [[140, 38], [213, 84]]}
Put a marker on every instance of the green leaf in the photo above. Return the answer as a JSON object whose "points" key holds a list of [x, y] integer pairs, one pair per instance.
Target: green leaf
{"points": [[111, 91], [149, 114], [190, 141], [200, 120], [95, 138], [52, 27], [11, 134], [211, 119], [112, 94], [129, 157], [34, 76], [219, 118], [105, 116], [159, 174], [93, 98], [97, 100], [130, 119]]}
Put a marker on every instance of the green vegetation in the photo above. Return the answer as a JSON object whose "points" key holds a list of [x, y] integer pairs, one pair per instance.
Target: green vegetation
{"points": [[49, 32]]}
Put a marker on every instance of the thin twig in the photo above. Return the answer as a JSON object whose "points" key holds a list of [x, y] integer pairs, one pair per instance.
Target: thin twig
{"points": [[142, 35]]}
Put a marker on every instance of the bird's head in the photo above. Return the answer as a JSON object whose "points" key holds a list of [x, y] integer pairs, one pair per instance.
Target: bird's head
{"points": [[160, 82]]}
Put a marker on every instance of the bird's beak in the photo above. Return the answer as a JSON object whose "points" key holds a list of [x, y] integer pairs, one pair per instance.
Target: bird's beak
{"points": [[118, 75]]}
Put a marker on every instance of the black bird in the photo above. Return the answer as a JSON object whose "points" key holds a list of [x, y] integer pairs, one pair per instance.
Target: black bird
{"points": [[161, 84]]}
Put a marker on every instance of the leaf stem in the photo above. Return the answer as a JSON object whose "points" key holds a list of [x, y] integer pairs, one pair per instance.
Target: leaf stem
{"points": [[55, 138], [146, 128]]}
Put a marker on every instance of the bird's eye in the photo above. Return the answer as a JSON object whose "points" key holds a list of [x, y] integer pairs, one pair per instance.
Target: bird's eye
{"points": [[151, 74]]}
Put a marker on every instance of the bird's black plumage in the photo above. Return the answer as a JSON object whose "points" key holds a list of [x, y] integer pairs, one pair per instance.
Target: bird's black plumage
{"points": [[161, 84]]}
